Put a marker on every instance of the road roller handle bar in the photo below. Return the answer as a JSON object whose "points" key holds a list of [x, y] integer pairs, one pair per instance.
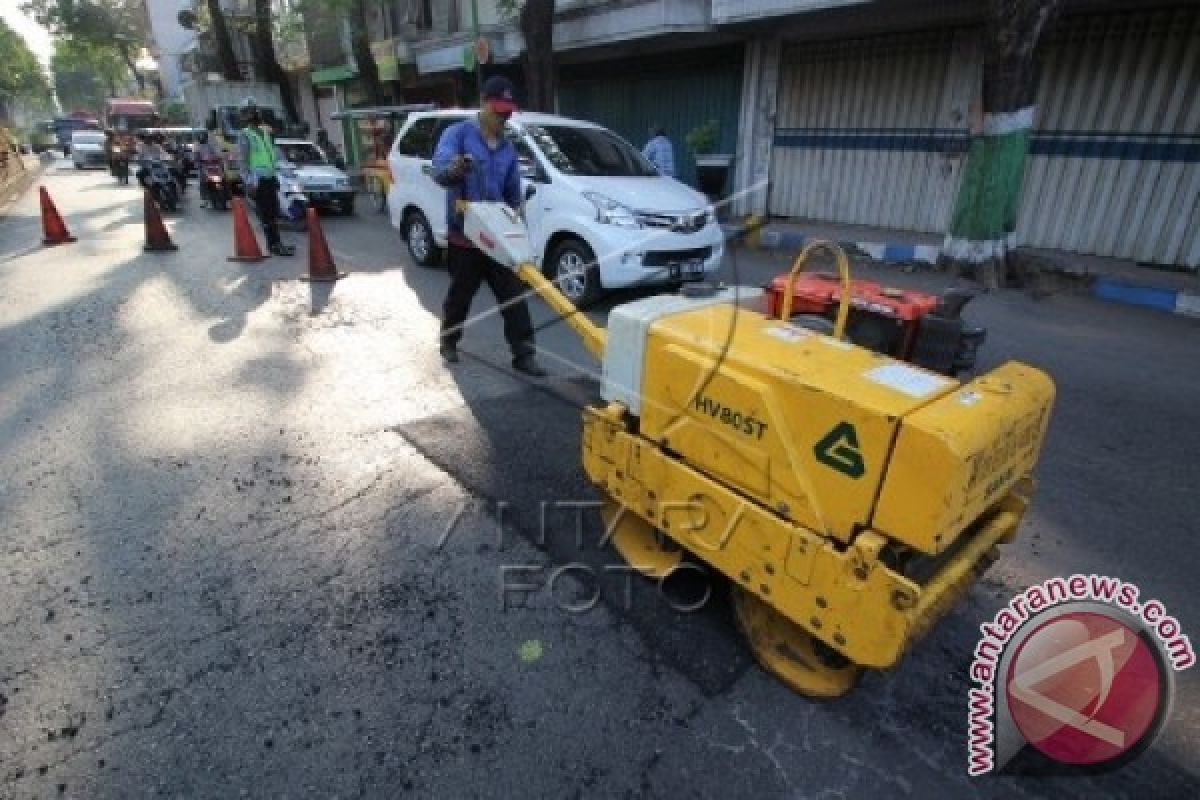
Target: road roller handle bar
{"points": [[500, 232], [843, 266]]}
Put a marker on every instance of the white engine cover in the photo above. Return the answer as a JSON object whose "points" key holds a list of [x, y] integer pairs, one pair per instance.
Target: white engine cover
{"points": [[628, 326], [498, 231]]}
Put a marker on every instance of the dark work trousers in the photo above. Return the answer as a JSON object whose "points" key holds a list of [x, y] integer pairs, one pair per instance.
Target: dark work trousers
{"points": [[468, 268], [266, 200]]}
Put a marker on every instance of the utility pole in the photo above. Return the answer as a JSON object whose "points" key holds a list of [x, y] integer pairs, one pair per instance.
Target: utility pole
{"points": [[474, 49]]}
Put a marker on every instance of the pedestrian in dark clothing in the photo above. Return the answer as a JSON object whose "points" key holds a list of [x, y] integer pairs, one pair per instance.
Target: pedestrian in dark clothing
{"points": [[477, 163]]}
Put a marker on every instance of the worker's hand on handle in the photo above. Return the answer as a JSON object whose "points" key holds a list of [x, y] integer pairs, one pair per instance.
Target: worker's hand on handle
{"points": [[459, 167]]}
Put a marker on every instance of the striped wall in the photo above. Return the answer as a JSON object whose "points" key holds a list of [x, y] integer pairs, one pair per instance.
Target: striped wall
{"points": [[873, 131], [1115, 166]]}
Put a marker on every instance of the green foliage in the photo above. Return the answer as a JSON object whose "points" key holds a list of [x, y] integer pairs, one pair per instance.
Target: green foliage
{"points": [[702, 139], [20, 73], [85, 74], [111, 23], [116, 25]]}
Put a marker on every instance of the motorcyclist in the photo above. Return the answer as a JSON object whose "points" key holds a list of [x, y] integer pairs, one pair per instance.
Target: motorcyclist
{"points": [[145, 152], [256, 148], [169, 149], [207, 155], [206, 151]]}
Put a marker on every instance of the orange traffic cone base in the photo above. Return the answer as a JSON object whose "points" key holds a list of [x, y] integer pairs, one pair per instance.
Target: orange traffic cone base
{"points": [[245, 243], [321, 268], [324, 278], [158, 240], [54, 230]]}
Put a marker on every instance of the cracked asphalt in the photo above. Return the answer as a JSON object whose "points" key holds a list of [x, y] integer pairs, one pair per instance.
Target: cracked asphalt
{"points": [[254, 533]]}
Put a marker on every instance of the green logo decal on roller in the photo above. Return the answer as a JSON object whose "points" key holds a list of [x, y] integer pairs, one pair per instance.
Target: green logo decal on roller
{"points": [[839, 450]]}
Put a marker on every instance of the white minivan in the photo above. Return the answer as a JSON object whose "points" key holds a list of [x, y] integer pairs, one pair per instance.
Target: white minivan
{"points": [[600, 216]]}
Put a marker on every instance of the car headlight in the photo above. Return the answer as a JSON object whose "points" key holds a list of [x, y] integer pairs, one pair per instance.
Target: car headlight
{"points": [[611, 212]]}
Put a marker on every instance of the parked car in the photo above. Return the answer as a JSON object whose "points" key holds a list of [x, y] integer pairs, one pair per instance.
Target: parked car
{"points": [[87, 149], [305, 169], [600, 216]]}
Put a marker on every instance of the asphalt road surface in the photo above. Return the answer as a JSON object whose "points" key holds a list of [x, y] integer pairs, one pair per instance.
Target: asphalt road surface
{"points": [[255, 536]]}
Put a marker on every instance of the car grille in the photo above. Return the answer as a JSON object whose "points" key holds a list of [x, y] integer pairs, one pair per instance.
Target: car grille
{"points": [[684, 222], [318, 187], [664, 258]]}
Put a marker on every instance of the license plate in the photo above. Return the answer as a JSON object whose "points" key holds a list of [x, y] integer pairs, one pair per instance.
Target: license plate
{"points": [[690, 270], [319, 195]]}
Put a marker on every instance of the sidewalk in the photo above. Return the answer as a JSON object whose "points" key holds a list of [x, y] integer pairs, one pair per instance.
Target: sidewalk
{"points": [[1112, 279], [16, 182]]}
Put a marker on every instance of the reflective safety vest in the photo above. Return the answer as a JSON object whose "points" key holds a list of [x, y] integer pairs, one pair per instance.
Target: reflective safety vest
{"points": [[262, 152]]}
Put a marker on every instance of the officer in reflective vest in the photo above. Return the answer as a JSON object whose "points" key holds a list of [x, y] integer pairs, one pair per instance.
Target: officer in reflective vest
{"points": [[257, 151]]}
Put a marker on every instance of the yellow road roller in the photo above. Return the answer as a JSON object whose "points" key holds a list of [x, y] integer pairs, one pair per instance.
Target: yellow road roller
{"points": [[851, 498]]}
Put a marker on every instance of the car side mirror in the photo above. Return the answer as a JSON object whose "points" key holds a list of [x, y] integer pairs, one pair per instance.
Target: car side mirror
{"points": [[530, 191], [339, 162]]}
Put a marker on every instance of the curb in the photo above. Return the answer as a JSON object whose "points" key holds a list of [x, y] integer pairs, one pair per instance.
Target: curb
{"points": [[15, 188], [1171, 301], [885, 252], [1113, 290]]}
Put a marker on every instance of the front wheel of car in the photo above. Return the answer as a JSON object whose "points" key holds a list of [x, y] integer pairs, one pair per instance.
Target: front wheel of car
{"points": [[572, 268], [419, 236]]}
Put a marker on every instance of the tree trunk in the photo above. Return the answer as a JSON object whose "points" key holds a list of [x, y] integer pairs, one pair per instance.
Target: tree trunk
{"points": [[266, 64], [360, 44], [541, 80], [985, 215], [127, 56], [220, 33]]}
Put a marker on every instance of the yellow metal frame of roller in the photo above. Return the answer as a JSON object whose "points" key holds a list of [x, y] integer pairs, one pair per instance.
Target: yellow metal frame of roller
{"points": [[846, 597], [843, 266], [816, 606]]}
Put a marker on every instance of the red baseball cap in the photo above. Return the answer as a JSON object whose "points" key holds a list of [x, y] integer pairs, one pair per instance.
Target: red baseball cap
{"points": [[498, 95]]}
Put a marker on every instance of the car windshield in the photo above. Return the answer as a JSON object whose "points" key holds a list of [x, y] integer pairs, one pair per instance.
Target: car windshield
{"points": [[589, 151], [87, 137], [300, 154]]}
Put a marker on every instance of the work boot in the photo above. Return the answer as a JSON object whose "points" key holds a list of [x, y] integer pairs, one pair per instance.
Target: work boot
{"points": [[449, 353], [529, 365]]}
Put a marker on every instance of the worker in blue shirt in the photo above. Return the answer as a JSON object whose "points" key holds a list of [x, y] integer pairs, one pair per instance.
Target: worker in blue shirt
{"points": [[476, 162], [659, 152]]}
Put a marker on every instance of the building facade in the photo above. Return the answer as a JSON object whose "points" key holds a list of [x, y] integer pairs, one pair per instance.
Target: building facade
{"points": [[850, 111]]}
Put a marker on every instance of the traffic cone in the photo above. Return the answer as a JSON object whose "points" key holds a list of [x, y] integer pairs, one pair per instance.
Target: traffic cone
{"points": [[157, 238], [245, 244], [320, 260], [54, 230]]}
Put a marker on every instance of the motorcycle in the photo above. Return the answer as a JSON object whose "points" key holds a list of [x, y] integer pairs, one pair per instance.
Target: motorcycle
{"points": [[214, 189], [156, 176]]}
